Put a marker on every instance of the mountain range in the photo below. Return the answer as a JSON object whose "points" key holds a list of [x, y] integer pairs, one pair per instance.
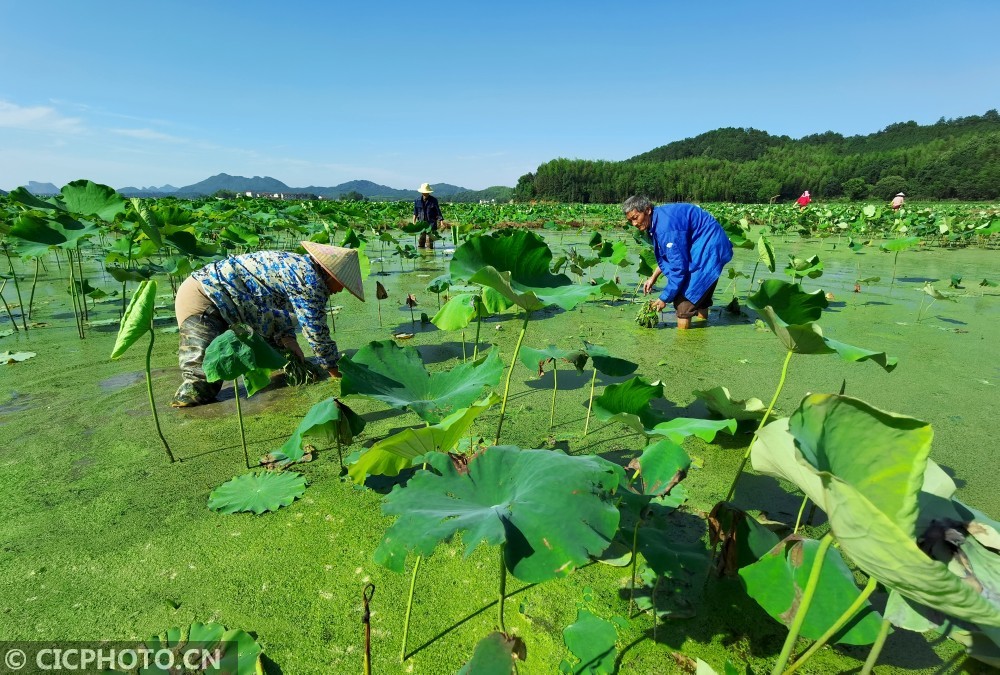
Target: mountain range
{"points": [[268, 186]]}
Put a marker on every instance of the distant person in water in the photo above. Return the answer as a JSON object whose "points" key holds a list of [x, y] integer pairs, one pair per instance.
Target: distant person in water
{"points": [[269, 291], [804, 200], [897, 201], [691, 249], [427, 210]]}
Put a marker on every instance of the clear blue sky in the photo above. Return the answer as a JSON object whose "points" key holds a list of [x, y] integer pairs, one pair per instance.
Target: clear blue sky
{"points": [[475, 94]]}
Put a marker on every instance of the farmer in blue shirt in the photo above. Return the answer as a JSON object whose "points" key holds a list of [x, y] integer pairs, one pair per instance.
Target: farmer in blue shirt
{"points": [[427, 210], [272, 292], [691, 249]]}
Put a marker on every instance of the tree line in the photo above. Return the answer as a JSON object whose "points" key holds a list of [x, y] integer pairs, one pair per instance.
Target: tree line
{"points": [[951, 159]]}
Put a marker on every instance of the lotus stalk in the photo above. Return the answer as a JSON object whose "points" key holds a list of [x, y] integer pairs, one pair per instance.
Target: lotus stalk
{"points": [[800, 615], [503, 589], [555, 388], [149, 391], [590, 406], [239, 415], [34, 283], [409, 608], [836, 627], [510, 371], [7, 307], [876, 648], [17, 286]]}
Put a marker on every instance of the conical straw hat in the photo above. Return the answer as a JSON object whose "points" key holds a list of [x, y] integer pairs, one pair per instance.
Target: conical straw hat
{"points": [[341, 263]]}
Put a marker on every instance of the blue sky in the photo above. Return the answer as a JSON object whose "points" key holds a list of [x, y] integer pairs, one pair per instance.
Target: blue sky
{"points": [[475, 94]]}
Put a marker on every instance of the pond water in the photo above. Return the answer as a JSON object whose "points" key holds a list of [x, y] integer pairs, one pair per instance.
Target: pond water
{"points": [[91, 504]]}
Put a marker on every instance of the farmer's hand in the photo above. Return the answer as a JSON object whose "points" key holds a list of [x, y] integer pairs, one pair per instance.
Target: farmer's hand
{"points": [[647, 285], [658, 305], [291, 345]]}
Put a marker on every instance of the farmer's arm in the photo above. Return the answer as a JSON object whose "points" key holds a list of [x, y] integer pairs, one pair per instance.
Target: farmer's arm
{"points": [[309, 305], [647, 286]]}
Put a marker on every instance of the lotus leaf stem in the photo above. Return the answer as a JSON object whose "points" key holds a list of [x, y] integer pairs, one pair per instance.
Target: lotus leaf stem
{"points": [[837, 625], [239, 415], [590, 405], [876, 648], [479, 326], [149, 390], [464, 357], [510, 371], [73, 293], [798, 518], [804, 602], [409, 607], [17, 287], [503, 588], [635, 557], [555, 388], [763, 421], [34, 282], [83, 282]]}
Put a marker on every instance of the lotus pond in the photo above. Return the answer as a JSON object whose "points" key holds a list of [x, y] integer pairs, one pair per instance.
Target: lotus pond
{"points": [[104, 538]]}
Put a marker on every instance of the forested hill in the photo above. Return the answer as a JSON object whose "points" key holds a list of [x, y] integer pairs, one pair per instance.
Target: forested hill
{"points": [[951, 159]]}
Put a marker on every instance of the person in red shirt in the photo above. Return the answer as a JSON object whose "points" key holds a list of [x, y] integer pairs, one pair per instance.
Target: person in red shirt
{"points": [[804, 200]]}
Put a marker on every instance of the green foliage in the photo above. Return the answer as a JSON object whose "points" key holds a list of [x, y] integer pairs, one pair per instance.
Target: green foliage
{"points": [[329, 419], [777, 582], [591, 640], [722, 403], [239, 653], [257, 492], [495, 654], [241, 351], [138, 318], [396, 375], [552, 512]]}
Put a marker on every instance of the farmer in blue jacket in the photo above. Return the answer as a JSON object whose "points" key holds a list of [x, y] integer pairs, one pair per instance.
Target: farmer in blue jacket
{"points": [[691, 249]]}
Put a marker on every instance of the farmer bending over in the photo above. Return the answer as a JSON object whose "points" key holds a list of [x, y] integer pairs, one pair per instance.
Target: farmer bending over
{"points": [[691, 249], [269, 291]]}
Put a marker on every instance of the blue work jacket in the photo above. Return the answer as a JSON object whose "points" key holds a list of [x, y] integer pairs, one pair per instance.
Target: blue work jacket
{"points": [[691, 249]]}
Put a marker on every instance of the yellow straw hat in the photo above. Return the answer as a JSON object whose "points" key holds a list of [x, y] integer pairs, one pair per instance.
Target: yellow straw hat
{"points": [[426, 189], [342, 264]]}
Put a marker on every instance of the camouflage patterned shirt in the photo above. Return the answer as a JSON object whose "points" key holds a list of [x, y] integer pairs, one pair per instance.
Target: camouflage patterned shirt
{"points": [[272, 292]]}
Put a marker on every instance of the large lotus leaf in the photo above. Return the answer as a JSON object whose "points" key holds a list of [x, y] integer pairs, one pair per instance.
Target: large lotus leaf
{"points": [[789, 301], [238, 653], [329, 419], [59, 230], [146, 218], [459, 312], [188, 244], [396, 375], [647, 261], [238, 352], [670, 557], [257, 492], [22, 197], [138, 317], [721, 402], [628, 403], [173, 215], [391, 455], [851, 353], [607, 364], [982, 645], [495, 654], [552, 511], [680, 428], [535, 359], [873, 521], [900, 244], [87, 198], [440, 284], [778, 580], [517, 266], [591, 640]]}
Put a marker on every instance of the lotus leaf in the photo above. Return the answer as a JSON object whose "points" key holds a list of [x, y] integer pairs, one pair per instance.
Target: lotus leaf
{"points": [[147, 221], [810, 267], [628, 403], [459, 312], [495, 654], [257, 492], [865, 467], [9, 357], [721, 402], [778, 580], [517, 266], [897, 245], [58, 230], [391, 455], [982, 645], [239, 652], [591, 640], [551, 511], [138, 317], [396, 375], [535, 359], [744, 540], [765, 253], [439, 284], [241, 351], [187, 243], [702, 668], [789, 302], [87, 198], [680, 428], [330, 419]]}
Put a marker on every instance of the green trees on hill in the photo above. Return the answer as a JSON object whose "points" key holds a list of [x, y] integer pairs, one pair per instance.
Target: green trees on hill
{"points": [[951, 159]]}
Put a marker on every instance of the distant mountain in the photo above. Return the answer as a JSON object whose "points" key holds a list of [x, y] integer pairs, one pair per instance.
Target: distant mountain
{"points": [[41, 189], [151, 191]]}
